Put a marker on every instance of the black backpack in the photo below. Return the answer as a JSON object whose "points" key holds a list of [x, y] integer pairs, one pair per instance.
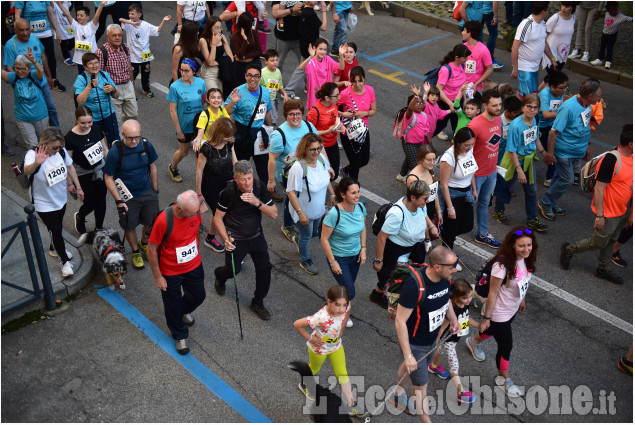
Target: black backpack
{"points": [[35, 83], [118, 144], [207, 114], [105, 53], [284, 139], [380, 216], [336, 221], [483, 276], [101, 73]]}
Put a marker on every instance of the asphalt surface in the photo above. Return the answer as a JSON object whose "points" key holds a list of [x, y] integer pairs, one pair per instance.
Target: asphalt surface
{"points": [[90, 363]]}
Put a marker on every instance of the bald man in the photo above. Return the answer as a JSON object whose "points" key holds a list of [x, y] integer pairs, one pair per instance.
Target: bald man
{"points": [[131, 177], [176, 264]]}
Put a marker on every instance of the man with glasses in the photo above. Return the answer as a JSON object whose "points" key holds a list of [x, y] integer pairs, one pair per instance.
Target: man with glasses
{"points": [[551, 97], [131, 177], [114, 58], [569, 141], [250, 107], [418, 323]]}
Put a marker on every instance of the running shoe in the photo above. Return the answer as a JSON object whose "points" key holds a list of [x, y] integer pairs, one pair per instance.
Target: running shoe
{"points": [[401, 178], [137, 260], [575, 54], [354, 410], [69, 62], [487, 240], [617, 259], [585, 57], [546, 183], [606, 274], [379, 299], [188, 319], [625, 366], [466, 397], [220, 287], [57, 86], [475, 349], [148, 93], [559, 211], [596, 62], [536, 225], [607, 65], [443, 136], [181, 346], [211, 242], [439, 371], [80, 224], [288, 232], [309, 267], [53, 253], [546, 211], [67, 269], [293, 96], [501, 217], [304, 390], [508, 385], [143, 247], [349, 323], [497, 65], [294, 239], [260, 311], [174, 174]]}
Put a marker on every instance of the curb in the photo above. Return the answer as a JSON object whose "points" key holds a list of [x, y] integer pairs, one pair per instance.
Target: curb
{"points": [[450, 25]]}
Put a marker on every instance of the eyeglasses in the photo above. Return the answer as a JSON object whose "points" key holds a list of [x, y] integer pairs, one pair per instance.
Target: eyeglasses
{"points": [[562, 88], [318, 149], [334, 95], [451, 265], [185, 70], [21, 69], [295, 114], [532, 107], [131, 139], [251, 76], [520, 232]]}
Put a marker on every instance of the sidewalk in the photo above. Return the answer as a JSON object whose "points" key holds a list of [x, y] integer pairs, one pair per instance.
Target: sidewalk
{"points": [[15, 267]]}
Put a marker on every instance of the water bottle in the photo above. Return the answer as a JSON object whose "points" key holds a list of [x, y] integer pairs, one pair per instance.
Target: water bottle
{"points": [[22, 178]]}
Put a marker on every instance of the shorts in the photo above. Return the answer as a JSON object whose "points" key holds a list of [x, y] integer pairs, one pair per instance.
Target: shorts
{"points": [[141, 210], [527, 82], [419, 377], [188, 138]]}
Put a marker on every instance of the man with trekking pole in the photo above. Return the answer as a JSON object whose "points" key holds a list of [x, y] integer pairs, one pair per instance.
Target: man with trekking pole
{"points": [[239, 212]]}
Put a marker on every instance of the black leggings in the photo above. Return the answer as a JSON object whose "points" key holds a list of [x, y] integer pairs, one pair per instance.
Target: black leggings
{"points": [[53, 221], [66, 46], [625, 234], [441, 124], [358, 156], [502, 333], [392, 252], [333, 154], [49, 49], [94, 199], [463, 223], [114, 13], [144, 69]]}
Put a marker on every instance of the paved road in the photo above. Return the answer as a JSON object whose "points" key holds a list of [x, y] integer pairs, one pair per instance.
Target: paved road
{"points": [[93, 363]]}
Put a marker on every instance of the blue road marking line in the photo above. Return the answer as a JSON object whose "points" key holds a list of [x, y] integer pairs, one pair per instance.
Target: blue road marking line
{"points": [[190, 363], [389, 65], [403, 49]]}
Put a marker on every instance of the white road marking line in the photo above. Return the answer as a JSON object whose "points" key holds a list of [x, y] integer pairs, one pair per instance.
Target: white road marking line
{"points": [[538, 282], [160, 87]]}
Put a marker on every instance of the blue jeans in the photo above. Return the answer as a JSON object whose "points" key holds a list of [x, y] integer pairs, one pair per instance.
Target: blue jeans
{"points": [[350, 267], [484, 188], [530, 197], [340, 33], [306, 233], [288, 221], [521, 9], [561, 181], [493, 32], [50, 105]]}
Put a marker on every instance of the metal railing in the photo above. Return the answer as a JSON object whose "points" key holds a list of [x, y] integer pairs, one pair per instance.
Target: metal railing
{"points": [[36, 292]]}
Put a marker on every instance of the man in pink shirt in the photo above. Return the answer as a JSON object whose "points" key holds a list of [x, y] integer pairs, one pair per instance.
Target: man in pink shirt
{"points": [[487, 129], [479, 64]]}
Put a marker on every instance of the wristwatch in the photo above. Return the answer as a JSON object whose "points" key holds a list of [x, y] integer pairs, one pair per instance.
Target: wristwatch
{"points": [[378, 261]]}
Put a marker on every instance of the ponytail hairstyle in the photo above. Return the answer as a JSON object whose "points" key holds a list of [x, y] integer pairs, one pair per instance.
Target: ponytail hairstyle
{"points": [[459, 50], [326, 90], [342, 187], [336, 292], [461, 136], [82, 111]]}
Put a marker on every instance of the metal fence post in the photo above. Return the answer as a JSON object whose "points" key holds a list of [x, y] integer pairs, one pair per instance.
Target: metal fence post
{"points": [[49, 296]]}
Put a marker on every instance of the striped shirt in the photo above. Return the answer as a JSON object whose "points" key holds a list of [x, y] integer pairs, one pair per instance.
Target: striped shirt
{"points": [[118, 65], [612, 23], [532, 34]]}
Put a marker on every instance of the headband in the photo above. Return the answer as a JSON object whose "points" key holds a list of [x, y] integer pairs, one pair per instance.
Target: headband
{"points": [[192, 63]]}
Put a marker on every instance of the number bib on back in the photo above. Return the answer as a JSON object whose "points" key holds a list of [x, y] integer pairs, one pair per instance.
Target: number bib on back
{"points": [[124, 193]]}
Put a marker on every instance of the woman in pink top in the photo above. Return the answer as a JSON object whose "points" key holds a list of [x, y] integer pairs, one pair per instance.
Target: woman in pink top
{"points": [[513, 265], [319, 68], [356, 104], [451, 79]]}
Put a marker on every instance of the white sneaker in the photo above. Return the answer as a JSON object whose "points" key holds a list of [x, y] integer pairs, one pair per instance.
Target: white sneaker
{"points": [[596, 62], [508, 385], [607, 65], [575, 54], [67, 269], [459, 268], [401, 178], [443, 136], [585, 57], [53, 253], [349, 324]]}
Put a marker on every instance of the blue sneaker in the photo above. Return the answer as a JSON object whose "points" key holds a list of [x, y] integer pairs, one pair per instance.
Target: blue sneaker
{"points": [[69, 62], [439, 371], [497, 65], [488, 240], [546, 211], [466, 397]]}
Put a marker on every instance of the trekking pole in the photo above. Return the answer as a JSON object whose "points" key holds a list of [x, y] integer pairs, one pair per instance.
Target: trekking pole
{"points": [[240, 323], [394, 388]]}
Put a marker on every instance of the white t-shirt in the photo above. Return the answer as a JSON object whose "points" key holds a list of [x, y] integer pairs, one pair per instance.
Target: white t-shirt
{"points": [[559, 39], [508, 299], [138, 40], [193, 10], [457, 177], [319, 180], [533, 36], [48, 197], [404, 227], [85, 35], [66, 29]]}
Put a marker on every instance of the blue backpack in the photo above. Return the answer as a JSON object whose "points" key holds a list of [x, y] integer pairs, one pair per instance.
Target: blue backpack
{"points": [[432, 76]]}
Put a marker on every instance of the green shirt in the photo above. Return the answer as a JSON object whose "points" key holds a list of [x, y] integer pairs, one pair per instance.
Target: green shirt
{"points": [[272, 81], [463, 119]]}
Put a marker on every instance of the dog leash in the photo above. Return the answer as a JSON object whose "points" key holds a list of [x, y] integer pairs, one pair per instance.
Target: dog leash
{"points": [[394, 388]]}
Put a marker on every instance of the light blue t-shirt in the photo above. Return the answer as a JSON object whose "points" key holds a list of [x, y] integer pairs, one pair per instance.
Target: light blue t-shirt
{"points": [[29, 102], [521, 138], [36, 14], [549, 103], [344, 240], [404, 227], [342, 5], [488, 7], [97, 94], [293, 137], [244, 109], [574, 129], [188, 101], [15, 48], [474, 11]]}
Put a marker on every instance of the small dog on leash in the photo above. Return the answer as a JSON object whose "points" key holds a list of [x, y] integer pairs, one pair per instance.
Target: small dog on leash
{"points": [[318, 393], [110, 249]]}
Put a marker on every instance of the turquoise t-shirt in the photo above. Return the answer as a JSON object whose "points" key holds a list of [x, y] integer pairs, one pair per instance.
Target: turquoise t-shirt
{"points": [[404, 227], [244, 109], [344, 240], [188, 101], [97, 95], [521, 138], [488, 7], [549, 103], [574, 129], [474, 11], [29, 102], [293, 137], [15, 48], [36, 14]]}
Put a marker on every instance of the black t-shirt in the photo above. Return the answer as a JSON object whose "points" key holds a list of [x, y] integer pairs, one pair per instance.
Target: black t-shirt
{"points": [[432, 312], [291, 27], [78, 144], [607, 168], [309, 29], [463, 316], [243, 220]]}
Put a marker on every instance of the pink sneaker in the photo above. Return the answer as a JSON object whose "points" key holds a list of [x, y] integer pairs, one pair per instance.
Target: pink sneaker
{"points": [[466, 397]]}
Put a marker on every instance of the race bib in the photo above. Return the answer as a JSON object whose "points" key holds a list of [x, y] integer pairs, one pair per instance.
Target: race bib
{"points": [[530, 135], [355, 129], [94, 154], [436, 317], [124, 193], [523, 285], [554, 105], [470, 67], [330, 340], [586, 117], [465, 326], [262, 110], [146, 56], [468, 166], [56, 174], [273, 85], [186, 253], [434, 187], [501, 170], [37, 26], [84, 45]]}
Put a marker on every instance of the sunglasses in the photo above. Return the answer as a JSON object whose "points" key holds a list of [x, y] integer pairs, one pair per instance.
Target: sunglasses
{"points": [[451, 265], [520, 232]]}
